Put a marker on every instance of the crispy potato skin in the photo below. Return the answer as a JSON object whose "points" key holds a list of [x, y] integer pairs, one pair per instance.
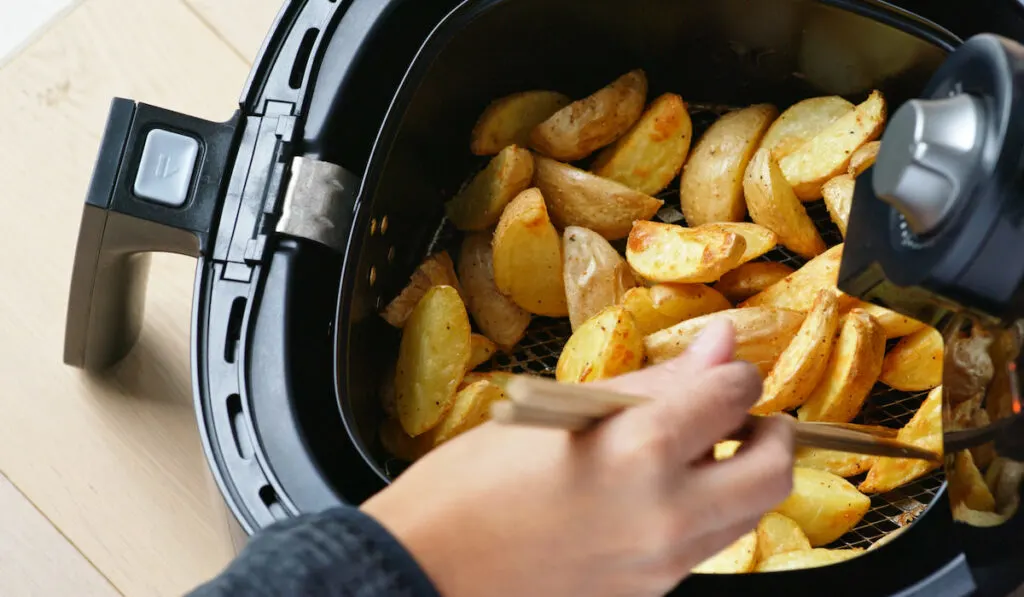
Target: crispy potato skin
{"points": [[578, 198], [779, 534], [824, 505], [471, 408], [751, 278], [864, 158], [511, 119], [739, 557], [584, 126], [640, 305], [801, 122], [773, 204], [711, 186], [893, 324], [481, 350], [605, 346], [915, 363], [652, 153], [841, 464], [762, 334], [968, 366], [479, 205], [851, 372], [924, 430], [967, 485], [596, 276], [528, 257], [758, 239], [669, 253], [435, 270], [798, 290], [838, 195], [432, 359], [497, 316]]}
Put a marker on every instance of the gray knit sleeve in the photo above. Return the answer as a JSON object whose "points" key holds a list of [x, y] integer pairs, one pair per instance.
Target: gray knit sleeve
{"points": [[338, 553]]}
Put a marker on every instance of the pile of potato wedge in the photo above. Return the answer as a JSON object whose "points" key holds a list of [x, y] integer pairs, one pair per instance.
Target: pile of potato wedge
{"points": [[566, 179]]}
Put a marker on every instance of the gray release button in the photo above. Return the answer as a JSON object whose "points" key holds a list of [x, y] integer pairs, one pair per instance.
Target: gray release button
{"points": [[165, 170]]}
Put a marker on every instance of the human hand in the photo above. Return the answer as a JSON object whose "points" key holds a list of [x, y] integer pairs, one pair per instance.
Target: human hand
{"points": [[627, 508]]}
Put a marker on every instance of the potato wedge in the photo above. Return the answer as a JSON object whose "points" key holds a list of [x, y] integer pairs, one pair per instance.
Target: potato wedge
{"points": [[967, 485], [511, 119], [605, 346], [828, 153], [842, 464], [802, 364], [586, 125], [481, 349], [399, 444], [751, 278], [773, 204], [472, 407], [478, 206], [595, 275], [838, 195], [779, 534], [915, 363], [888, 538], [432, 359], [651, 154], [686, 301], [726, 449], [435, 270], [801, 122], [825, 506], [798, 290], [809, 558], [498, 378], [851, 372], [578, 198], [711, 186], [738, 558], [864, 158], [640, 305], [924, 430], [761, 335], [669, 253], [496, 315], [893, 324], [528, 257], [968, 367], [759, 240]]}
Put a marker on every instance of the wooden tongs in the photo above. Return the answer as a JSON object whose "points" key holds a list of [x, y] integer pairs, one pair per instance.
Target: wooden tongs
{"points": [[541, 402]]}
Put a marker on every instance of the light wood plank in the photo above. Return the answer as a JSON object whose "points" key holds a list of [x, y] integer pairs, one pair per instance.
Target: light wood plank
{"points": [[114, 463], [242, 23], [35, 560]]}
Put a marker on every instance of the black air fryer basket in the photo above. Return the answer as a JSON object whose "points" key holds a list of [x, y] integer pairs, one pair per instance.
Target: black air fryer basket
{"points": [[309, 210]]}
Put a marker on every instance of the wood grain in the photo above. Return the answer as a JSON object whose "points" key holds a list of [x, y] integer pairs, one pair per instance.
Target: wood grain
{"points": [[244, 34], [115, 461]]}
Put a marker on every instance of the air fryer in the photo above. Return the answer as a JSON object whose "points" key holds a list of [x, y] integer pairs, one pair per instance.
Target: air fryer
{"points": [[308, 210]]}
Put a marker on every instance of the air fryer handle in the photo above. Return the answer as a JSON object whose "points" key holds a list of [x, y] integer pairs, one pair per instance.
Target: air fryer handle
{"points": [[154, 188]]}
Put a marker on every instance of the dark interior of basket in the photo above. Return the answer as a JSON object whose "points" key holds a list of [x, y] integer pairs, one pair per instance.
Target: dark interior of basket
{"points": [[537, 353]]}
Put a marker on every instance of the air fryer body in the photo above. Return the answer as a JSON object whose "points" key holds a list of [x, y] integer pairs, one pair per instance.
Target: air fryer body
{"points": [[333, 92]]}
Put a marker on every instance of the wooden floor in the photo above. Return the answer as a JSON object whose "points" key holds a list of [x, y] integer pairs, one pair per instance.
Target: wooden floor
{"points": [[103, 484]]}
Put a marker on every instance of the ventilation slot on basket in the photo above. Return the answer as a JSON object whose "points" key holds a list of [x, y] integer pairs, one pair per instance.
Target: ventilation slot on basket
{"points": [[269, 497], [234, 329], [302, 58], [239, 428]]}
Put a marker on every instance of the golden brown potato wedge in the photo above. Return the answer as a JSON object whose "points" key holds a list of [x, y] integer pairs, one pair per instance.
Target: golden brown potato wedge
{"points": [[828, 153], [864, 158], [596, 276], [838, 195], [686, 301], [851, 372], [893, 324], [761, 335], [797, 290], [842, 464], [432, 359], [478, 206], [801, 122], [669, 253], [825, 506], [967, 485], [481, 349], [759, 240], [497, 316], [528, 257], [640, 305], [809, 558], [498, 378], [773, 204], [968, 367], [605, 346], [511, 119], [779, 534], [924, 430], [435, 270], [740, 557], [751, 278], [802, 364], [400, 444], [472, 407], [915, 363], [711, 186], [651, 154], [578, 198], [584, 126]]}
